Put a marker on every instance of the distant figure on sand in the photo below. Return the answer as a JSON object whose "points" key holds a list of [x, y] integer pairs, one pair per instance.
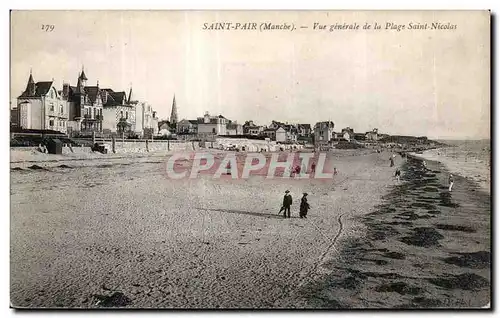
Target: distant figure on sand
{"points": [[398, 174], [287, 202], [304, 206], [335, 172], [450, 182], [392, 161], [42, 148], [313, 167]]}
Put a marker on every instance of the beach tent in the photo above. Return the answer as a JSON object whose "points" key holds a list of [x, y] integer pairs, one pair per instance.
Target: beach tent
{"points": [[54, 146]]}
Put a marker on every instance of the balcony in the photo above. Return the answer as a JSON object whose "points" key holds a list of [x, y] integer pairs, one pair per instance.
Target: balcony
{"points": [[88, 117]]}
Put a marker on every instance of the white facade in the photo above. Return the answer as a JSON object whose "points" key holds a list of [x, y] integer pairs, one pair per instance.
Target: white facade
{"points": [[212, 125], [281, 135], [46, 111], [143, 118], [113, 114]]}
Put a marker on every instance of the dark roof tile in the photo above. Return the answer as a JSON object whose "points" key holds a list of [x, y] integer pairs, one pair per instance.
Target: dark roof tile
{"points": [[41, 89], [92, 92]]}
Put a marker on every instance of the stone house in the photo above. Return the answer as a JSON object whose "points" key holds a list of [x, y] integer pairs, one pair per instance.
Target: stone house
{"points": [[323, 132]]}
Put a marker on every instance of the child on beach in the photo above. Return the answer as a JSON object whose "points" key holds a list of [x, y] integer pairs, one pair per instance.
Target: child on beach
{"points": [[450, 182]]}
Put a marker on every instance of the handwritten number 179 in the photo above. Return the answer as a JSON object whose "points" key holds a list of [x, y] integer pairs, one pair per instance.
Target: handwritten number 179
{"points": [[48, 27]]}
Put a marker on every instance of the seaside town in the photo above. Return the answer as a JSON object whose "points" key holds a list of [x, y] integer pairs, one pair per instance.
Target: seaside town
{"points": [[86, 130], [292, 169], [94, 111]]}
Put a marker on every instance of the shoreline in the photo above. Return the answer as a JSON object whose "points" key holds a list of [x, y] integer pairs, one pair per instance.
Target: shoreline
{"points": [[484, 184], [421, 248]]}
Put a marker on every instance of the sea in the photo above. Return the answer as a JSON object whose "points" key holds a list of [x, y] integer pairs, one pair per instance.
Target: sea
{"points": [[468, 158]]}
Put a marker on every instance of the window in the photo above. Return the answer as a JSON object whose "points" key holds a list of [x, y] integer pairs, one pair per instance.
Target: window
{"points": [[213, 130], [126, 115], [51, 107], [51, 123], [62, 109], [94, 112], [51, 94], [121, 113]]}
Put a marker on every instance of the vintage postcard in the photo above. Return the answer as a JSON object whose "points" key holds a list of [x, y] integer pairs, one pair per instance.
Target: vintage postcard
{"points": [[250, 159]]}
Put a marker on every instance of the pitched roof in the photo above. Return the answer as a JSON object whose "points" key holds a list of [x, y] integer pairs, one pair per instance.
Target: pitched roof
{"points": [[305, 126], [193, 121], [249, 124], [119, 96], [41, 89], [113, 98], [163, 123], [92, 92]]}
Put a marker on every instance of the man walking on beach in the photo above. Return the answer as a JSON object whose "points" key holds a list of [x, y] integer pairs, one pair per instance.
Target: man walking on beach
{"points": [[287, 202], [450, 182], [392, 161]]}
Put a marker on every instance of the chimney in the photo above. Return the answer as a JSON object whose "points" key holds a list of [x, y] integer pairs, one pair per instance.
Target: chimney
{"points": [[65, 91]]}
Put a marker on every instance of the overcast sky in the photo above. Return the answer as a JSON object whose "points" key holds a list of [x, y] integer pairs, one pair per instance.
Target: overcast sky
{"points": [[417, 82]]}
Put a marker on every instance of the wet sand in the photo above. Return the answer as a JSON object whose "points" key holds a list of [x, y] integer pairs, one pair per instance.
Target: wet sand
{"points": [[423, 247]]}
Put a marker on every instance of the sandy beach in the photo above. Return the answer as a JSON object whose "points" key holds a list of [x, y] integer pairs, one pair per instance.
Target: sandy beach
{"points": [[106, 232]]}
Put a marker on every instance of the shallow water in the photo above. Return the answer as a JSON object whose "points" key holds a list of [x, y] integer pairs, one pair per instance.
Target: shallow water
{"points": [[468, 158]]}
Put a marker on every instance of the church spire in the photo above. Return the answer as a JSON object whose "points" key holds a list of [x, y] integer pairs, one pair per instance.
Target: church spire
{"points": [[173, 114]]}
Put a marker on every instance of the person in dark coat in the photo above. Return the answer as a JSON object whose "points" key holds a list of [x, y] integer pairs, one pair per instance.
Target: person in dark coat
{"points": [[398, 174], [287, 202], [304, 206]]}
